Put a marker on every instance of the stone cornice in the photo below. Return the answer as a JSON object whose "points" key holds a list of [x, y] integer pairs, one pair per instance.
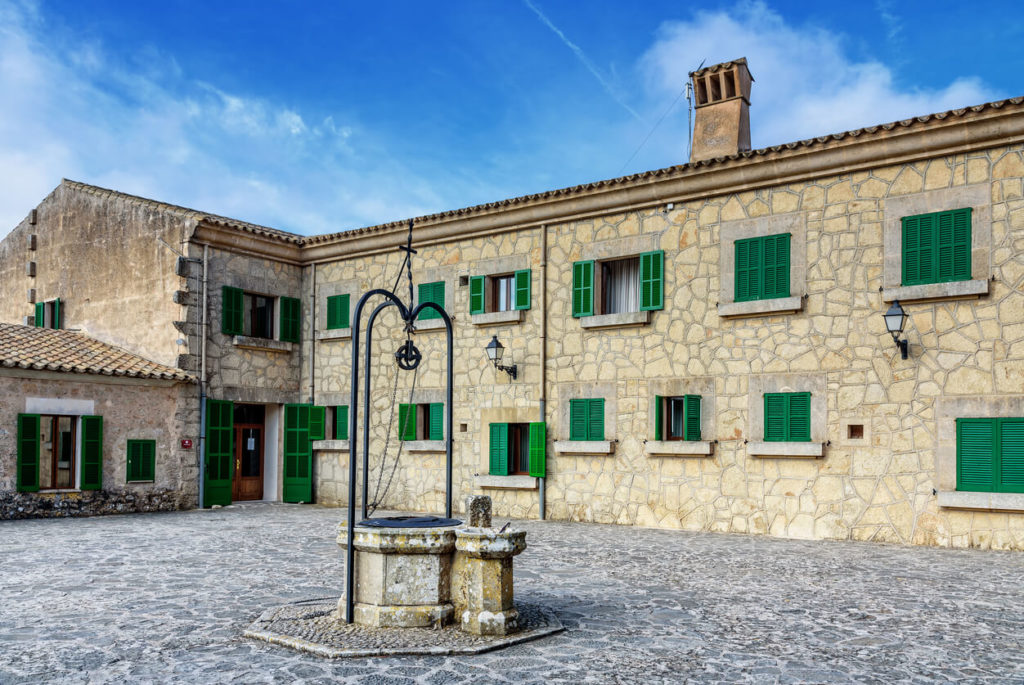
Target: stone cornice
{"points": [[229, 238]]}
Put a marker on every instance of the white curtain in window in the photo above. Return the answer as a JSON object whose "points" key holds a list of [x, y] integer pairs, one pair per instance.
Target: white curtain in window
{"points": [[622, 286]]}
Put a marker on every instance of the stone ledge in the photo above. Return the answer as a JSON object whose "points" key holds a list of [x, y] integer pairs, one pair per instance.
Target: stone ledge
{"points": [[620, 320], [678, 448], [936, 291], [432, 325], [600, 447], [330, 446], [992, 501], [785, 449], [335, 334], [493, 318], [776, 305], [262, 344], [506, 482], [424, 446]]}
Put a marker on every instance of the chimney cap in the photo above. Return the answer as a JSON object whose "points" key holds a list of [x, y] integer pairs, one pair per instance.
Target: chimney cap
{"points": [[742, 61]]}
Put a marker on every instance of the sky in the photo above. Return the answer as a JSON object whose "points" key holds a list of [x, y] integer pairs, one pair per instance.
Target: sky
{"points": [[315, 117]]}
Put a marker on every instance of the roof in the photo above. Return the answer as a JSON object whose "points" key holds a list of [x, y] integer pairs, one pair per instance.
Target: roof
{"points": [[46, 349], [677, 171]]}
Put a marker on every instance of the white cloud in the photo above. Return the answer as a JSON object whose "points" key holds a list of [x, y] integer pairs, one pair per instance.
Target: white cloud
{"points": [[806, 84]]}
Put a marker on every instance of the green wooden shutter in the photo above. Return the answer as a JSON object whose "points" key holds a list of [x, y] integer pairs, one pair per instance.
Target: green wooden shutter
{"points": [[691, 417], [141, 460], [220, 452], [436, 411], [298, 454], [317, 423], [337, 312], [659, 416], [40, 320], [652, 280], [577, 419], [799, 428], [747, 268], [961, 244], [1011, 455], [975, 441], [595, 419], [232, 320], [775, 417], [522, 282], [538, 449], [498, 449], [56, 314], [341, 422], [407, 421], [291, 320], [92, 453], [477, 290], [132, 470], [28, 453], [583, 288], [431, 292], [775, 273]]}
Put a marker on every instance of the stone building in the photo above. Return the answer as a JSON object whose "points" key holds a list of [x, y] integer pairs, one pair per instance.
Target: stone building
{"points": [[698, 347]]}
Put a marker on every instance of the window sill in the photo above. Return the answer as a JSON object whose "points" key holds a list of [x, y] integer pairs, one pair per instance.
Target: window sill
{"points": [[430, 325], [56, 491], [620, 320], [786, 449], [506, 482], [493, 318], [678, 448], [263, 344], [334, 334], [936, 291], [424, 446], [992, 501], [776, 305], [599, 447], [139, 482], [330, 445]]}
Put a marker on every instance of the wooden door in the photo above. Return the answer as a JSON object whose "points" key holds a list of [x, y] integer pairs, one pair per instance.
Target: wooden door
{"points": [[248, 482]]}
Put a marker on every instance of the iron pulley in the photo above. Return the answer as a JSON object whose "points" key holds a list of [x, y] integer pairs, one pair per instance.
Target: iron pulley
{"points": [[408, 356]]}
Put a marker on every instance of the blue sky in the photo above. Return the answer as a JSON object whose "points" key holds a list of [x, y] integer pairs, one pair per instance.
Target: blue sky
{"points": [[322, 116]]}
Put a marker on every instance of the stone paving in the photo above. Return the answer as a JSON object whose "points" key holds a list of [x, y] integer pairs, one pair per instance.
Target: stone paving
{"points": [[165, 598]]}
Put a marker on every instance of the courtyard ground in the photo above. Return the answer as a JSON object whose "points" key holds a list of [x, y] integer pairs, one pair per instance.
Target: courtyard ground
{"points": [[165, 598]]}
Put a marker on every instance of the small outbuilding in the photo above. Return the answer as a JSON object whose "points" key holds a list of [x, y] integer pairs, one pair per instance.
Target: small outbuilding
{"points": [[89, 428]]}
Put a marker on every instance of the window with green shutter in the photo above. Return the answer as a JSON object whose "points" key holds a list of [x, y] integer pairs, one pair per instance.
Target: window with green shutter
{"points": [[337, 312], [522, 289], [787, 417], [652, 280], [435, 411], [762, 267], [517, 449], [291, 320], [586, 419], [141, 461], [28, 453], [48, 314], [40, 315], [341, 422], [677, 418], [421, 421], [431, 292], [317, 423], [990, 455], [91, 477], [583, 288], [232, 311], [477, 294], [937, 247]]}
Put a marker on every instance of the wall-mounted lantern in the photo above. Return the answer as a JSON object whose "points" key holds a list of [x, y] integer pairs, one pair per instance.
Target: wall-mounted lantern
{"points": [[895, 320], [495, 350]]}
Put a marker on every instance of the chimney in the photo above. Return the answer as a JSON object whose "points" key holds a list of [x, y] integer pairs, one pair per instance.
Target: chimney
{"points": [[722, 124]]}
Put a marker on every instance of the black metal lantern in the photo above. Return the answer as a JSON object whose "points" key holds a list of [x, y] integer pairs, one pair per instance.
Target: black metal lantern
{"points": [[495, 351], [895, 320]]}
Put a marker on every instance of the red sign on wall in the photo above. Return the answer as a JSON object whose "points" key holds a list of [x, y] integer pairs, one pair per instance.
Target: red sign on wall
{"points": [[186, 444]]}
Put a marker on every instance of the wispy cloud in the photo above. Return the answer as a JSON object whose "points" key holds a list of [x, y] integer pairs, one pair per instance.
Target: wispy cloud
{"points": [[892, 22], [585, 61]]}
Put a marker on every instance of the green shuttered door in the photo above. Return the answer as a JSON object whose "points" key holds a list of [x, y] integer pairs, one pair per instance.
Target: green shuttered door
{"points": [[220, 461], [583, 288], [652, 284], [92, 453], [232, 317], [298, 454], [28, 453]]}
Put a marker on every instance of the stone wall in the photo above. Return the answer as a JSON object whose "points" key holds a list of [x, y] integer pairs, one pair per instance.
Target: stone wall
{"points": [[131, 410], [111, 261], [881, 486]]}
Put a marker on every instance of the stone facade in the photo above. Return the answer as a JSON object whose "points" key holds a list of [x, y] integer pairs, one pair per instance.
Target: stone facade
{"points": [[132, 409]]}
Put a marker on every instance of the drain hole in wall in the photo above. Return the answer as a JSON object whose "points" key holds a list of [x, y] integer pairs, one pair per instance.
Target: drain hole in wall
{"points": [[855, 431]]}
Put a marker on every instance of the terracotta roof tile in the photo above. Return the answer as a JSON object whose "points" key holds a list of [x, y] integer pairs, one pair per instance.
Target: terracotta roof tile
{"points": [[45, 349]]}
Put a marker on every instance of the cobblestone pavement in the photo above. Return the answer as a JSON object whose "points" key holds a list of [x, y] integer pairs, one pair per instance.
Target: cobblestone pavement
{"points": [[165, 598]]}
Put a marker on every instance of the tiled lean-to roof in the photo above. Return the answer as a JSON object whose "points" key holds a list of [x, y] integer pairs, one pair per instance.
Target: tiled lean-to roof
{"points": [[45, 349]]}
